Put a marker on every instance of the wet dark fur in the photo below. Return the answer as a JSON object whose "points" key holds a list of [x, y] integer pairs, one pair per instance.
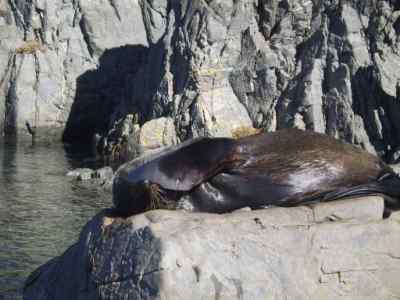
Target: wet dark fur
{"points": [[285, 168]]}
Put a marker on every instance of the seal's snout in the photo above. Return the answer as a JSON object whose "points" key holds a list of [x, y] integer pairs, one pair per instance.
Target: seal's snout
{"points": [[129, 198]]}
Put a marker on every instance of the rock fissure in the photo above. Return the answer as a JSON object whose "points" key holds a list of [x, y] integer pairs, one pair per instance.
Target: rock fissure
{"points": [[10, 64], [18, 15], [10, 99], [114, 6], [130, 277]]}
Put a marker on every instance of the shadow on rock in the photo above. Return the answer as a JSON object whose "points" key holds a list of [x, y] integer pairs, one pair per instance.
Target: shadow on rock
{"points": [[102, 92]]}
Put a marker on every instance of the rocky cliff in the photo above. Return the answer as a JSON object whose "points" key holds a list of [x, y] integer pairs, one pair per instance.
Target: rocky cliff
{"points": [[209, 67], [341, 250]]}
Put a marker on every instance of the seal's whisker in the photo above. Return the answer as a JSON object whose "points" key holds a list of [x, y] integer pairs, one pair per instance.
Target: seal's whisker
{"points": [[157, 198]]}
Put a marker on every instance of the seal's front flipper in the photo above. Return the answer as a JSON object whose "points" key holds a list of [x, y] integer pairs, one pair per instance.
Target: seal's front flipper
{"points": [[188, 166]]}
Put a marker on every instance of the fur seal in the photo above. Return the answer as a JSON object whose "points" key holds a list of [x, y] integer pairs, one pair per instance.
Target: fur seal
{"points": [[285, 168]]}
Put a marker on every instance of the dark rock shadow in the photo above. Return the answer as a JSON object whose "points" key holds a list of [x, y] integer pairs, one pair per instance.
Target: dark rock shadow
{"points": [[379, 111], [101, 91]]}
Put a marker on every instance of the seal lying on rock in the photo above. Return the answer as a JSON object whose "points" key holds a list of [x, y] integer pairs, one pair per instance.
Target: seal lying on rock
{"points": [[284, 168]]}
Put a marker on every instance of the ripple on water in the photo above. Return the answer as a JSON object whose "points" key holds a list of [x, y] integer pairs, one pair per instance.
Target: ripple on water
{"points": [[41, 210]]}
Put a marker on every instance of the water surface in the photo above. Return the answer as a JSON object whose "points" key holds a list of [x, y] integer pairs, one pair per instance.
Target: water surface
{"points": [[41, 210]]}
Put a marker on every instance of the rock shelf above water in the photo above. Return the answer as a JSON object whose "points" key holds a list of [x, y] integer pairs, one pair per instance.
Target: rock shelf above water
{"points": [[337, 250]]}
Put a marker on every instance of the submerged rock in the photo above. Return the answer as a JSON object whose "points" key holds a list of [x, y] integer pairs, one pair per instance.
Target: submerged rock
{"points": [[101, 177], [105, 173], [81, 174], [338, 250]]}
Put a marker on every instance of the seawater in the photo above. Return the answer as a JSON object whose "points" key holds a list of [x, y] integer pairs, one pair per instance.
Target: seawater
{"points": [[41, 210]]}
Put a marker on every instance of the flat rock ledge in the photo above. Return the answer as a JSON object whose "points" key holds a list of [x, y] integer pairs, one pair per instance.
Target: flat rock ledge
{"points": [[338, 250]]}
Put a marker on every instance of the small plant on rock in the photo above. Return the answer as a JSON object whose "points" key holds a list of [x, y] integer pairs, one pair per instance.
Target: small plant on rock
{"points": [[29, 47], [244, 131]]}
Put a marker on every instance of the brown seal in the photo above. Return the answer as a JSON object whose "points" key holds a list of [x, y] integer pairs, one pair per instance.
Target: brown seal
{"points": [[284, 168]]}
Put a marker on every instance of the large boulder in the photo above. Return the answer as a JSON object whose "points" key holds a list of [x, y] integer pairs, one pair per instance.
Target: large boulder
{"points": [[338, 250]]}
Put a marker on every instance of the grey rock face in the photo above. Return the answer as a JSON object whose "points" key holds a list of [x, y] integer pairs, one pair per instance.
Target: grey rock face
{"points": [[50, 50], [338, 250], [108, 24], [209, 66], [326, 66], [158, 133]]}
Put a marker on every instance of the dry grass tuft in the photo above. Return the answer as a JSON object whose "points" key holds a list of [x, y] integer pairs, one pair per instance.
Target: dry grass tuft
{"points": [[30, 47], [244, 131]]}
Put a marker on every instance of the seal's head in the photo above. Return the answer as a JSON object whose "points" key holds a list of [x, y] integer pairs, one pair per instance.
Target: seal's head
{"points": [[130, 199], [134, 198], [160, 179]]}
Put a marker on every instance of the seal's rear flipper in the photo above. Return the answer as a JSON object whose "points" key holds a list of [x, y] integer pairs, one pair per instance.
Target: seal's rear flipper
{"points": [[388, 187]]}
